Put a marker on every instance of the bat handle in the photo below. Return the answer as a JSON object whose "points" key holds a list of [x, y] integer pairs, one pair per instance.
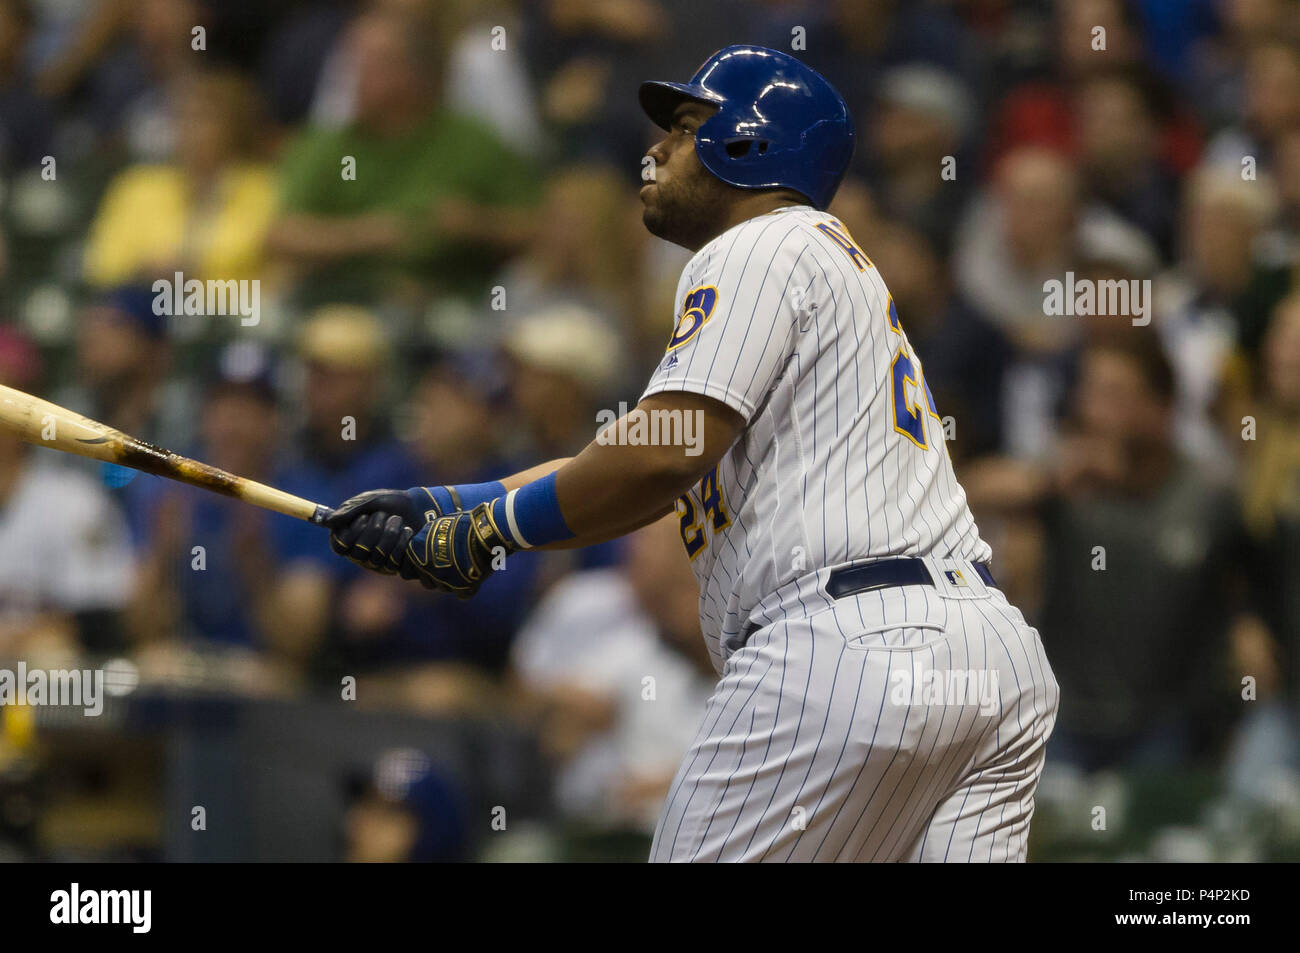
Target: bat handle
{"points": [[321, 514]]}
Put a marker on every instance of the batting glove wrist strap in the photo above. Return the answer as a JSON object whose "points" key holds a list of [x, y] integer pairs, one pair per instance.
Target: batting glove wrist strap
{"points": [[463, 496], [530, 516]]}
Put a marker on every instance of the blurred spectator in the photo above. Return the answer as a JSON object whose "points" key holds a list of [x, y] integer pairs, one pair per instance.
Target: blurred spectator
{"points": [[1281, 246], [209, 570], [1042, 111], [585, 248], [1271, 106], [493, 84], [922, 118], [563, 363], [855, 43], [205, 213], [390, 627], [582, 52], [295, 53], [409, 811], [345, 443], [65, 555], [1141, 553], [1271, 487], [1119, 154], [127, 56], [1217, 65], [1174, 32], [26, 118], [1032, 227], [409, 198], [122, 362], [615, 663], [1215, 301], [964, 357]]}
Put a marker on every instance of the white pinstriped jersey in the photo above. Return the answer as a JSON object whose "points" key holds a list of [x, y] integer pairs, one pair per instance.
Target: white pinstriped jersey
{"points": [[786, 320]]}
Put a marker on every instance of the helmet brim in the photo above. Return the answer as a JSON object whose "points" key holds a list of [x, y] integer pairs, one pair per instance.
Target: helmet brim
{"points": [[660, 100]]}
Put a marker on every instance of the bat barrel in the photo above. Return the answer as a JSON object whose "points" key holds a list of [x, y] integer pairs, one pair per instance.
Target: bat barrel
{"points": [[45, 424]]}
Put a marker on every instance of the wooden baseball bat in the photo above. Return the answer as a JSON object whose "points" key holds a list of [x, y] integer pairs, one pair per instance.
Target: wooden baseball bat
{"points": [[45, 424]]}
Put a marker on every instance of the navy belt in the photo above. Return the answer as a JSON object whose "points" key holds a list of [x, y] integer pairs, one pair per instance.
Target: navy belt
{"points": [[886, 573], [868, 577]]}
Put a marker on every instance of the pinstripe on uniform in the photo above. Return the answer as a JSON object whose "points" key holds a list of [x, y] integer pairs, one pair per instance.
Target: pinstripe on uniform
{"points": [[802, 754]]}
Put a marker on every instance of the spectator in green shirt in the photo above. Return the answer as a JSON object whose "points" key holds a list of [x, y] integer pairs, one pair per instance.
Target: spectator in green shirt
{"points": [[409, 199]]}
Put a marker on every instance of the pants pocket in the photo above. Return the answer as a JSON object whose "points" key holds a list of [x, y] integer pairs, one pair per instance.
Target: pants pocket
{"points": [[897, 637]]}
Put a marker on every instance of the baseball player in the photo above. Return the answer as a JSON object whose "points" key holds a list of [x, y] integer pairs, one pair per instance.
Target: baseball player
{"points": [[878, 697]]}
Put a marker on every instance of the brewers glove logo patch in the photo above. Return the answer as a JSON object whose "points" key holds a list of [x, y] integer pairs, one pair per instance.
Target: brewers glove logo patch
{"points": [[696, 309]]}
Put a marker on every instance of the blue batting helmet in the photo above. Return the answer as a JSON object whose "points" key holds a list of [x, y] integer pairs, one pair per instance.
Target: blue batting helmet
{"points": [[779, 123]]}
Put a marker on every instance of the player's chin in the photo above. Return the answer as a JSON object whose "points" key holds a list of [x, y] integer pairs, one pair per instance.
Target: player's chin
{"points": [[653, 218]]}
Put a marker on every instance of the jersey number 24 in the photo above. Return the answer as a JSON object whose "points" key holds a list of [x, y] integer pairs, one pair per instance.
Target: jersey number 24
{"points": [[909, 413], [692, 527]]}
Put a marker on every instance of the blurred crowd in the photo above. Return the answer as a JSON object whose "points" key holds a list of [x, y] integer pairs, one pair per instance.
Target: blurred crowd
{"points": [[438, 201]]}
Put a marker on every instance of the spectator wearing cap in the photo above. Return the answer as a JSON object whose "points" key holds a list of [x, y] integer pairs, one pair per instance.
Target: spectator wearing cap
{"points": [[65, 557], [345, 441], [407, 809], [563, 362], [211, 574], [923, 116], [123, 358], [343, 445], [458, 418]]}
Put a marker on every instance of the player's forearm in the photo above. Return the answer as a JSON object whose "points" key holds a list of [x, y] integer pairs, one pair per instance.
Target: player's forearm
{"points": [[617, 484], [622, 530], [607, 491], [516, 480], [620, 527]]}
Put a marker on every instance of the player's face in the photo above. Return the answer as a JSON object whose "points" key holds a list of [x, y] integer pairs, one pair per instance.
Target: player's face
{"points": [[685, 201]]}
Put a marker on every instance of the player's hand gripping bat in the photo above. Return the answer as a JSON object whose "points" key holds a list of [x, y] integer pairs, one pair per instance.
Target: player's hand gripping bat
{"points": [[45, 424]]}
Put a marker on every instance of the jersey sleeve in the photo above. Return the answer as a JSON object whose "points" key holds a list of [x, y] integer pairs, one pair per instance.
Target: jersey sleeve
{"points": [[736, 315]]}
